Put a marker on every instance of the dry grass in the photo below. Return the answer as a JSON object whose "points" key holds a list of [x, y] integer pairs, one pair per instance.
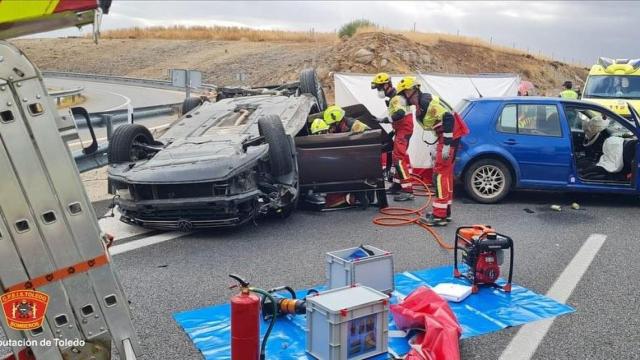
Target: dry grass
{"points": [[217, 33], [431, 39], [224, 33]]}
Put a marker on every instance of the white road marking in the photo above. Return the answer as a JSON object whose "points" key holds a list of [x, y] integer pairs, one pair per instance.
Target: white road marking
{"points": [[151, 240], [525, 343], [126, 102]]}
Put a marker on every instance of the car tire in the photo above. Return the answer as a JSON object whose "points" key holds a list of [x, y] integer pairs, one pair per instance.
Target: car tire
{"points": [[121, 144], [189, 104], [487, 181], [309, 84], [280, 152]]}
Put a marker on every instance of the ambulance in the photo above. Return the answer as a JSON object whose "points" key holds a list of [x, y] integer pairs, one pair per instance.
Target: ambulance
{"points": [[614, 84]]}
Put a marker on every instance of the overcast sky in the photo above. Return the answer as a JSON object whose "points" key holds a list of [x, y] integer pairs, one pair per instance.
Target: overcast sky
{"points": [[578, 31]]}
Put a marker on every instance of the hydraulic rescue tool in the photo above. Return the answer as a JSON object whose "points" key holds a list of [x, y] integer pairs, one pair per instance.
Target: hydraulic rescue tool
{"points": [[284, 305], [245, 321], [482, 252]]}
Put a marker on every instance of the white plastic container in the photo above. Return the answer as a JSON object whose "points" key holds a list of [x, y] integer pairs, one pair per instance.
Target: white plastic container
{"points": [[374, 271], [347, 323]]}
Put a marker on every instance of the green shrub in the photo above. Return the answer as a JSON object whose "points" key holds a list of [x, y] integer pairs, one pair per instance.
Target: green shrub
{"points": [[350, 28]]}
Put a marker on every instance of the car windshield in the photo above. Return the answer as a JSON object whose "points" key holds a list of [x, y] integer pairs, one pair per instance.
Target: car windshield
{"points": [[612, 87], [578, 116]]}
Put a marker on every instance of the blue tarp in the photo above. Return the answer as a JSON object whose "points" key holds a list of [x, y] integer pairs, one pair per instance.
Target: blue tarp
{"points": [[487, 311]]}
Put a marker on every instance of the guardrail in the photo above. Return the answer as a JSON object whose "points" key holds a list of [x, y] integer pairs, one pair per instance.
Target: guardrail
{"points": [[60, 94], [97, 159], [67, 92], [123, 80], [99, 119]]}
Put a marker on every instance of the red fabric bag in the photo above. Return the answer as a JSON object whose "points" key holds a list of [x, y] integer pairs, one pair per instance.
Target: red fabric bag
{"points": [[425, 310]]}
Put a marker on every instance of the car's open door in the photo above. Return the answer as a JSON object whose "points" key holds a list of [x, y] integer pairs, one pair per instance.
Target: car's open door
{"points": [[344, 162]]}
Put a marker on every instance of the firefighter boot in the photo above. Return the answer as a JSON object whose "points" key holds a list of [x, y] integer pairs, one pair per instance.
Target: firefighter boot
{"points": [[431, 220], [404, 196]]}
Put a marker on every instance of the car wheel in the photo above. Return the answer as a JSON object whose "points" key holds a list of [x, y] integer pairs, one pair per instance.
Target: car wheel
{"points": [[122, 145], [189, 104], [309, 84], [487, 181], [280, 152]]}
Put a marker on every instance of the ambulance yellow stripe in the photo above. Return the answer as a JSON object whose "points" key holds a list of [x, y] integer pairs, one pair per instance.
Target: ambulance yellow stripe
{"points": [[18, 10]]}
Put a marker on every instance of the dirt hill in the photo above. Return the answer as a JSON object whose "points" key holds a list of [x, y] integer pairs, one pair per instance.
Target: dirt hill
{"points": [[272, 62]]}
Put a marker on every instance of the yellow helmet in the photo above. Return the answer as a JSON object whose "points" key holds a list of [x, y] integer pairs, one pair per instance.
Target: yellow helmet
{"points": [[318, 126], [407, 82], [380, 79], [333, 114]]}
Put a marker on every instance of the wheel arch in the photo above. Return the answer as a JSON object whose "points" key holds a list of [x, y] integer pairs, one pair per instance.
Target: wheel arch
{"points": [[508, 161]]}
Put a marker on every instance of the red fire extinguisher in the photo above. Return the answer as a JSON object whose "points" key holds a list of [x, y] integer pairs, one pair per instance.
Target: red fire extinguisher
{"points": [[245, 322]]}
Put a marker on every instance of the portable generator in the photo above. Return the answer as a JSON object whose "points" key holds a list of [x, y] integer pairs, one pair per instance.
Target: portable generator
{"points": [[482, 251]]}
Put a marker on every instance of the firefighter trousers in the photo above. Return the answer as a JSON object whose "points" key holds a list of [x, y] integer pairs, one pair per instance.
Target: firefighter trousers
{"points": [[403, 129], [443, 180]]}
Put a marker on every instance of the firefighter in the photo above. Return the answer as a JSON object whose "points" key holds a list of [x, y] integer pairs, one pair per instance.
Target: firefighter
{"points": [[568, 92], [402, 123], [449, 128], [334, 200], [334, 116]]}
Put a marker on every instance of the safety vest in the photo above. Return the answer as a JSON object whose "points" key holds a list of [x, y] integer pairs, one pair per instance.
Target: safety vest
{"points": [[569, 94], [396, 104], [433, 115]]}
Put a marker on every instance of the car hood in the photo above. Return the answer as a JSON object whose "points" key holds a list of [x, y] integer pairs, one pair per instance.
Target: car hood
{"points": [[191, 160]]}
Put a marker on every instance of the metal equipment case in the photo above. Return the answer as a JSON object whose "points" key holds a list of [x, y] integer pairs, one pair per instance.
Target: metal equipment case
{"points": [[347, 323], [374, 271]]}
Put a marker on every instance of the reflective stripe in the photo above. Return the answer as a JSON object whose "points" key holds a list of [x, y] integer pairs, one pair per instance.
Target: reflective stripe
{"points": [[403, 174], [448, 135], [396, 180], [406, 185], [438, 205], [439, 186]]}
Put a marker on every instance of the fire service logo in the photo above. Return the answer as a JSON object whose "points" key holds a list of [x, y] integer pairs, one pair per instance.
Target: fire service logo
{"points": [[24, 309]]}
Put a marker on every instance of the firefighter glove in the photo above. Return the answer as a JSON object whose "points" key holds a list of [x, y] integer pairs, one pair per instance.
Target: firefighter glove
{"points": [[445, 152]]}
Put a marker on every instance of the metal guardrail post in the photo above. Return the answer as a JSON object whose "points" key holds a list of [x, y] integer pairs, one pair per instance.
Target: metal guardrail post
{"points": [[107, 119]]}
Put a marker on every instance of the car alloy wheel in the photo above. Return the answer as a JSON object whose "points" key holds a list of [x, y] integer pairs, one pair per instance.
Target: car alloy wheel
{"points": [[488, 181]]}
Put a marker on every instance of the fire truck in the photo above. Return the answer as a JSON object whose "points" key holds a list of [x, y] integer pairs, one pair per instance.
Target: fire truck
{"points": [[60, 296]]}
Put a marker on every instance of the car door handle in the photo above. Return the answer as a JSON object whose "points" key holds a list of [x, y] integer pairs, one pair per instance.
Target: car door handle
{"points": [[510, 142]]}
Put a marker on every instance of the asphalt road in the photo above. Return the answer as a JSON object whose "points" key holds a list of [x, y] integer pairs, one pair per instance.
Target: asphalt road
{"points": [[191, 271], [106, 97]]}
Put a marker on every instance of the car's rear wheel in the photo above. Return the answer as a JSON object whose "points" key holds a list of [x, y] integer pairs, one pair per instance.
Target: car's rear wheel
{"points": [[309, 84], [189, 104], [124, 145], [280, 152], [487, 181]]}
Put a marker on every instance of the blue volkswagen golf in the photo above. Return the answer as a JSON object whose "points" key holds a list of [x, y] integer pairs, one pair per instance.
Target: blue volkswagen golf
{"points": [[545, 144]]}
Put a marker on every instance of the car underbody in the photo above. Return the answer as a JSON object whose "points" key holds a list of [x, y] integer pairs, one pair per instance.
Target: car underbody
{"points": [[224, 163]]}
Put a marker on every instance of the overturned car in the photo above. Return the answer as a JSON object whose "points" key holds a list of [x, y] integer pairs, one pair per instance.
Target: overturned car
{"points": [[247, 154]]}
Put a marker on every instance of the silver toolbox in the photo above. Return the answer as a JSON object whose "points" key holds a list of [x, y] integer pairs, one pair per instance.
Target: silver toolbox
{"points": [[374, 270], [347, 323]]}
